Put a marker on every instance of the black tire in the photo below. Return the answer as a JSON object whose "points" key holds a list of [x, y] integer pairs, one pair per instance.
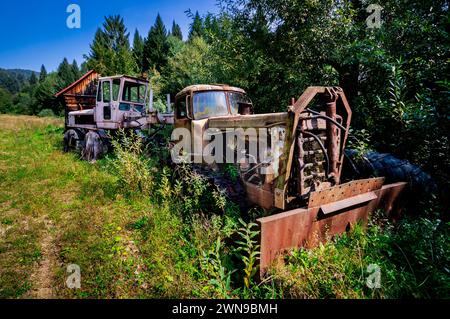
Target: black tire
{"points": [[93, 147], [73, 139], [373, 164]]}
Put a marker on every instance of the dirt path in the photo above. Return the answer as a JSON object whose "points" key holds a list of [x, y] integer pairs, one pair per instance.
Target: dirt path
{"points": [[43, 276]]}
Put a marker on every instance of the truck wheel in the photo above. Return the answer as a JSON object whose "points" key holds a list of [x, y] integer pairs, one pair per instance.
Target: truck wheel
{"points": [[93, 147], [72, 140], [374, 164]]}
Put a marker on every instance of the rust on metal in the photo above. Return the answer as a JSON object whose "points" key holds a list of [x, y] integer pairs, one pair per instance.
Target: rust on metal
{"points": [[325, 217], [332, 138], [339, 205], [256, 194], [344, 191]]}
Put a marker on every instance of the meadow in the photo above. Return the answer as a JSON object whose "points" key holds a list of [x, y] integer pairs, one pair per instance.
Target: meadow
{"points": [[140, 229]]}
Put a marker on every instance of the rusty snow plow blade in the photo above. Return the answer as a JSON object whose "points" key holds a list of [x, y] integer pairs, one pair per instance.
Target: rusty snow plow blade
{"points": [[329, 212]]}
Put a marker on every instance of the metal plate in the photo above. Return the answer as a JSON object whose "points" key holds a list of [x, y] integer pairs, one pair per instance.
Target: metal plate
{"points": [[344, 191], [301, 227]]}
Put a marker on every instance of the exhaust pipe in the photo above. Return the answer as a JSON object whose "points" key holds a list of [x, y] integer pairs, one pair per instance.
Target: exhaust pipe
{"points": [[150, 109], [168, 104]]}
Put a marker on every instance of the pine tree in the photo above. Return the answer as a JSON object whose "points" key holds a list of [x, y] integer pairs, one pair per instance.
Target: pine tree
{"points": [[196, 27], [210, 25], [156, 46], [65, 74], [83, 68], [33, 79], [138, 51], [176, 31], [43, 74], [110, 51], [75, 69]]}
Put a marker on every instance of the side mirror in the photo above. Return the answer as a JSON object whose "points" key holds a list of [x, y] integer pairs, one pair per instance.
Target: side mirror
{"points": [[245, 108]]}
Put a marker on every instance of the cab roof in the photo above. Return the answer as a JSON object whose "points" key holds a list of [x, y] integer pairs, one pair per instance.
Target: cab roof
{"points": [[209, 87], [124, 76]]}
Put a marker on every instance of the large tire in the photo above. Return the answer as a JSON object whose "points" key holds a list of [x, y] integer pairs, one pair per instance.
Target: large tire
{"points": [[93, 147], [73, 140], [373, 164]]}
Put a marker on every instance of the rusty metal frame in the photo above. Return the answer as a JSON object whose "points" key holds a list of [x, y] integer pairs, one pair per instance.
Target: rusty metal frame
{"points": [[335, 95]]}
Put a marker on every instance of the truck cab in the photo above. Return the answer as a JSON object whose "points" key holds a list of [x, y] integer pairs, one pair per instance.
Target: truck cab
{"points": [[199, 102], [119, 98], [119, 103]]}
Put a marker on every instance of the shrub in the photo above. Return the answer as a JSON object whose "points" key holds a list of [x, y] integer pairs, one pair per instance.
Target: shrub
{"points": [[46, 113], [413, 259], [130, 166]]}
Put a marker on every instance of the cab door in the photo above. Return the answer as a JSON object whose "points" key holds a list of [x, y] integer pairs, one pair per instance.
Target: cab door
{"points": [[182, 112], [103, 112]]}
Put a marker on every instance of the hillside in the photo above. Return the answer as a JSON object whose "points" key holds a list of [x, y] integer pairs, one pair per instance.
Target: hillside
{"points": [[13, 80]]}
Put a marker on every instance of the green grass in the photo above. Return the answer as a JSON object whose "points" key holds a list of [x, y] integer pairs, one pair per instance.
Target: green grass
{"points": [[90, 218], [164, 236], [412, 260]]}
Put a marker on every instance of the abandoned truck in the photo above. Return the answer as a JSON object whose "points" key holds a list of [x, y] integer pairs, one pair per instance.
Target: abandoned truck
{"points": [[301, 186], [96, 106]]}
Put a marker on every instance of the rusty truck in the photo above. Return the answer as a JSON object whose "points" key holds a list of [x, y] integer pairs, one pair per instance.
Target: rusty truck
{"points": [[302, 188]]}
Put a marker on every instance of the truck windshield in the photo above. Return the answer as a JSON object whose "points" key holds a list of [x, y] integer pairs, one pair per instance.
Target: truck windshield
{"points": [[209, 104], [133, 92]]}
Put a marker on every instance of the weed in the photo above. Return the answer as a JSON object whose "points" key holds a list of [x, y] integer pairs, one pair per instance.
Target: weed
{"points": [[213, 264], [129, 164], [248, 252]]}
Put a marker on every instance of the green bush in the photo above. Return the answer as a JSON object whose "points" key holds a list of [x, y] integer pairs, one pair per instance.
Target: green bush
{"points": [[46, 113], [134, 171], [413, 258]]}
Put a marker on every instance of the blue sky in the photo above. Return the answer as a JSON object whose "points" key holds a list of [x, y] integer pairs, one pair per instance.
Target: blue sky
{"points": [[35, 32]]}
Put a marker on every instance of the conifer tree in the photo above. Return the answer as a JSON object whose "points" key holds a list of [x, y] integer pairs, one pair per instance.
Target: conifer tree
{"points": [[75, 69], [138, 51], [33, 79], [156, 46], [176, 31], [110, 51], [196, 27], [65, 74], [43, 74]]}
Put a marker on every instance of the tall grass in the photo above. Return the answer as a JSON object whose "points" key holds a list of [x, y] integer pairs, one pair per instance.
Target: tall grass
{"points": [[141, 230]]}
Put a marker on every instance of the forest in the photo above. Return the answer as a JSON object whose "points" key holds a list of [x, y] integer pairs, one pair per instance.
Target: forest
{"points": [[395, 77]]}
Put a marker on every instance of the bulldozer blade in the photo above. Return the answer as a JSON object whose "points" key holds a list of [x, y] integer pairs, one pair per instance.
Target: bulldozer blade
{"points": [[329, 212]]}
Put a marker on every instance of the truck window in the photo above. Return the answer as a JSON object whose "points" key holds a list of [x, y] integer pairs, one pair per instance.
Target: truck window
{"points": [[115, 89], [236, 98], [133, 92], [106, 88], [209, 104], [99, 93]]}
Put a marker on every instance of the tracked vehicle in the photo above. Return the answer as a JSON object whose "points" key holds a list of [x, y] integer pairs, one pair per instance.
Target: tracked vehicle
{"points": [[298, 177]]}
